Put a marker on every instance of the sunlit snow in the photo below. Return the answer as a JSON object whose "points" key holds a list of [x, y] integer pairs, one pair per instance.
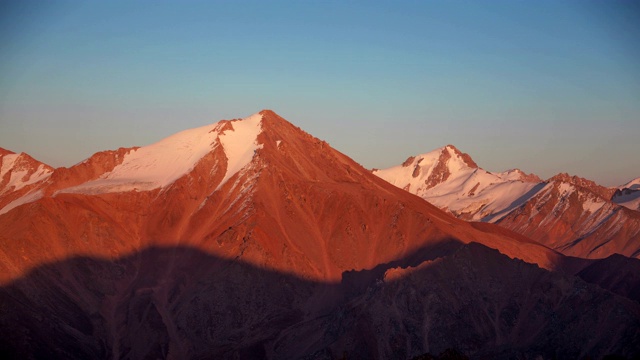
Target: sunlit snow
{"points": [[160, 164], [467, 190], [36, 195], [240, 144], [19, 178]]}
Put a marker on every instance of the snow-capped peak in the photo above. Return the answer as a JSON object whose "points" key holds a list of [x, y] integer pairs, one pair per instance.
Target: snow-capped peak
{"points": [[240, 144], [162, 163], [460, 156], [20, 170], [422, 172], [451, 180]]}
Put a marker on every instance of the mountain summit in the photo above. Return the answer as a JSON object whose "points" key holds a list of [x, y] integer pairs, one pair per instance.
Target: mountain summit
{"points": [[20, 174], [451, 180]]}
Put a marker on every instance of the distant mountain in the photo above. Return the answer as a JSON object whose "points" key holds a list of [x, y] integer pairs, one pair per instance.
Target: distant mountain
{"points": [[19, 175], [628, 195], [570, 214], [633, 185], [451, 180], [250, 238]]}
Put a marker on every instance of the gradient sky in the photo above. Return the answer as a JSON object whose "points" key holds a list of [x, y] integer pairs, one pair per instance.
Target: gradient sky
{"points": [[544, 86]]}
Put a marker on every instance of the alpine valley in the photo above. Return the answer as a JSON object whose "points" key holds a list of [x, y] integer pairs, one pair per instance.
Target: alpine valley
{"points": [[251, 239]]}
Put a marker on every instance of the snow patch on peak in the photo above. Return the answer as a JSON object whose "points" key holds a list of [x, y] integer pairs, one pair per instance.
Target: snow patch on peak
{"points": [[160, 164], [8, 162], [20, 171], [422, 172], [633, 185], [463, 157], [519, 175], [240, 144], [592, 204], [565, 189]]}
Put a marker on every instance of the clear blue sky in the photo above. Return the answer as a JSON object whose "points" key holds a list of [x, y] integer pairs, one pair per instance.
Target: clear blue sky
{"points": [[546, 86]]}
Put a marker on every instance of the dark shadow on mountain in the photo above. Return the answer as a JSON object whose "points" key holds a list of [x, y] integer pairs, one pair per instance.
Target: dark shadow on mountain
{"points": [[616, 273], [626, 194], [357, 281], [180, 302]]}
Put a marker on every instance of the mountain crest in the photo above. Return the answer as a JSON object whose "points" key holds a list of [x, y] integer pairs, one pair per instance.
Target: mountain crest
{"points": [[603, 192], [466, 158], [518, 174], [20, 170], [4, 151], [422, 172]]}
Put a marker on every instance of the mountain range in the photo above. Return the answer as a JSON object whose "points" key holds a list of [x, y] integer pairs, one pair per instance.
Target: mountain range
{"points": [[569, 214], [249, 238]]}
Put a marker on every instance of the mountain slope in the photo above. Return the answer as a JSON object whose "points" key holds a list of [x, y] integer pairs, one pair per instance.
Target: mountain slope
{"points": [[569, 214]]}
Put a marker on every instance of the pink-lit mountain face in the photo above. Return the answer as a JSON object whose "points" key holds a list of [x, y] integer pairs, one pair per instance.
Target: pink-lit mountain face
{"points": [[569, 214], [250, 238]]}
